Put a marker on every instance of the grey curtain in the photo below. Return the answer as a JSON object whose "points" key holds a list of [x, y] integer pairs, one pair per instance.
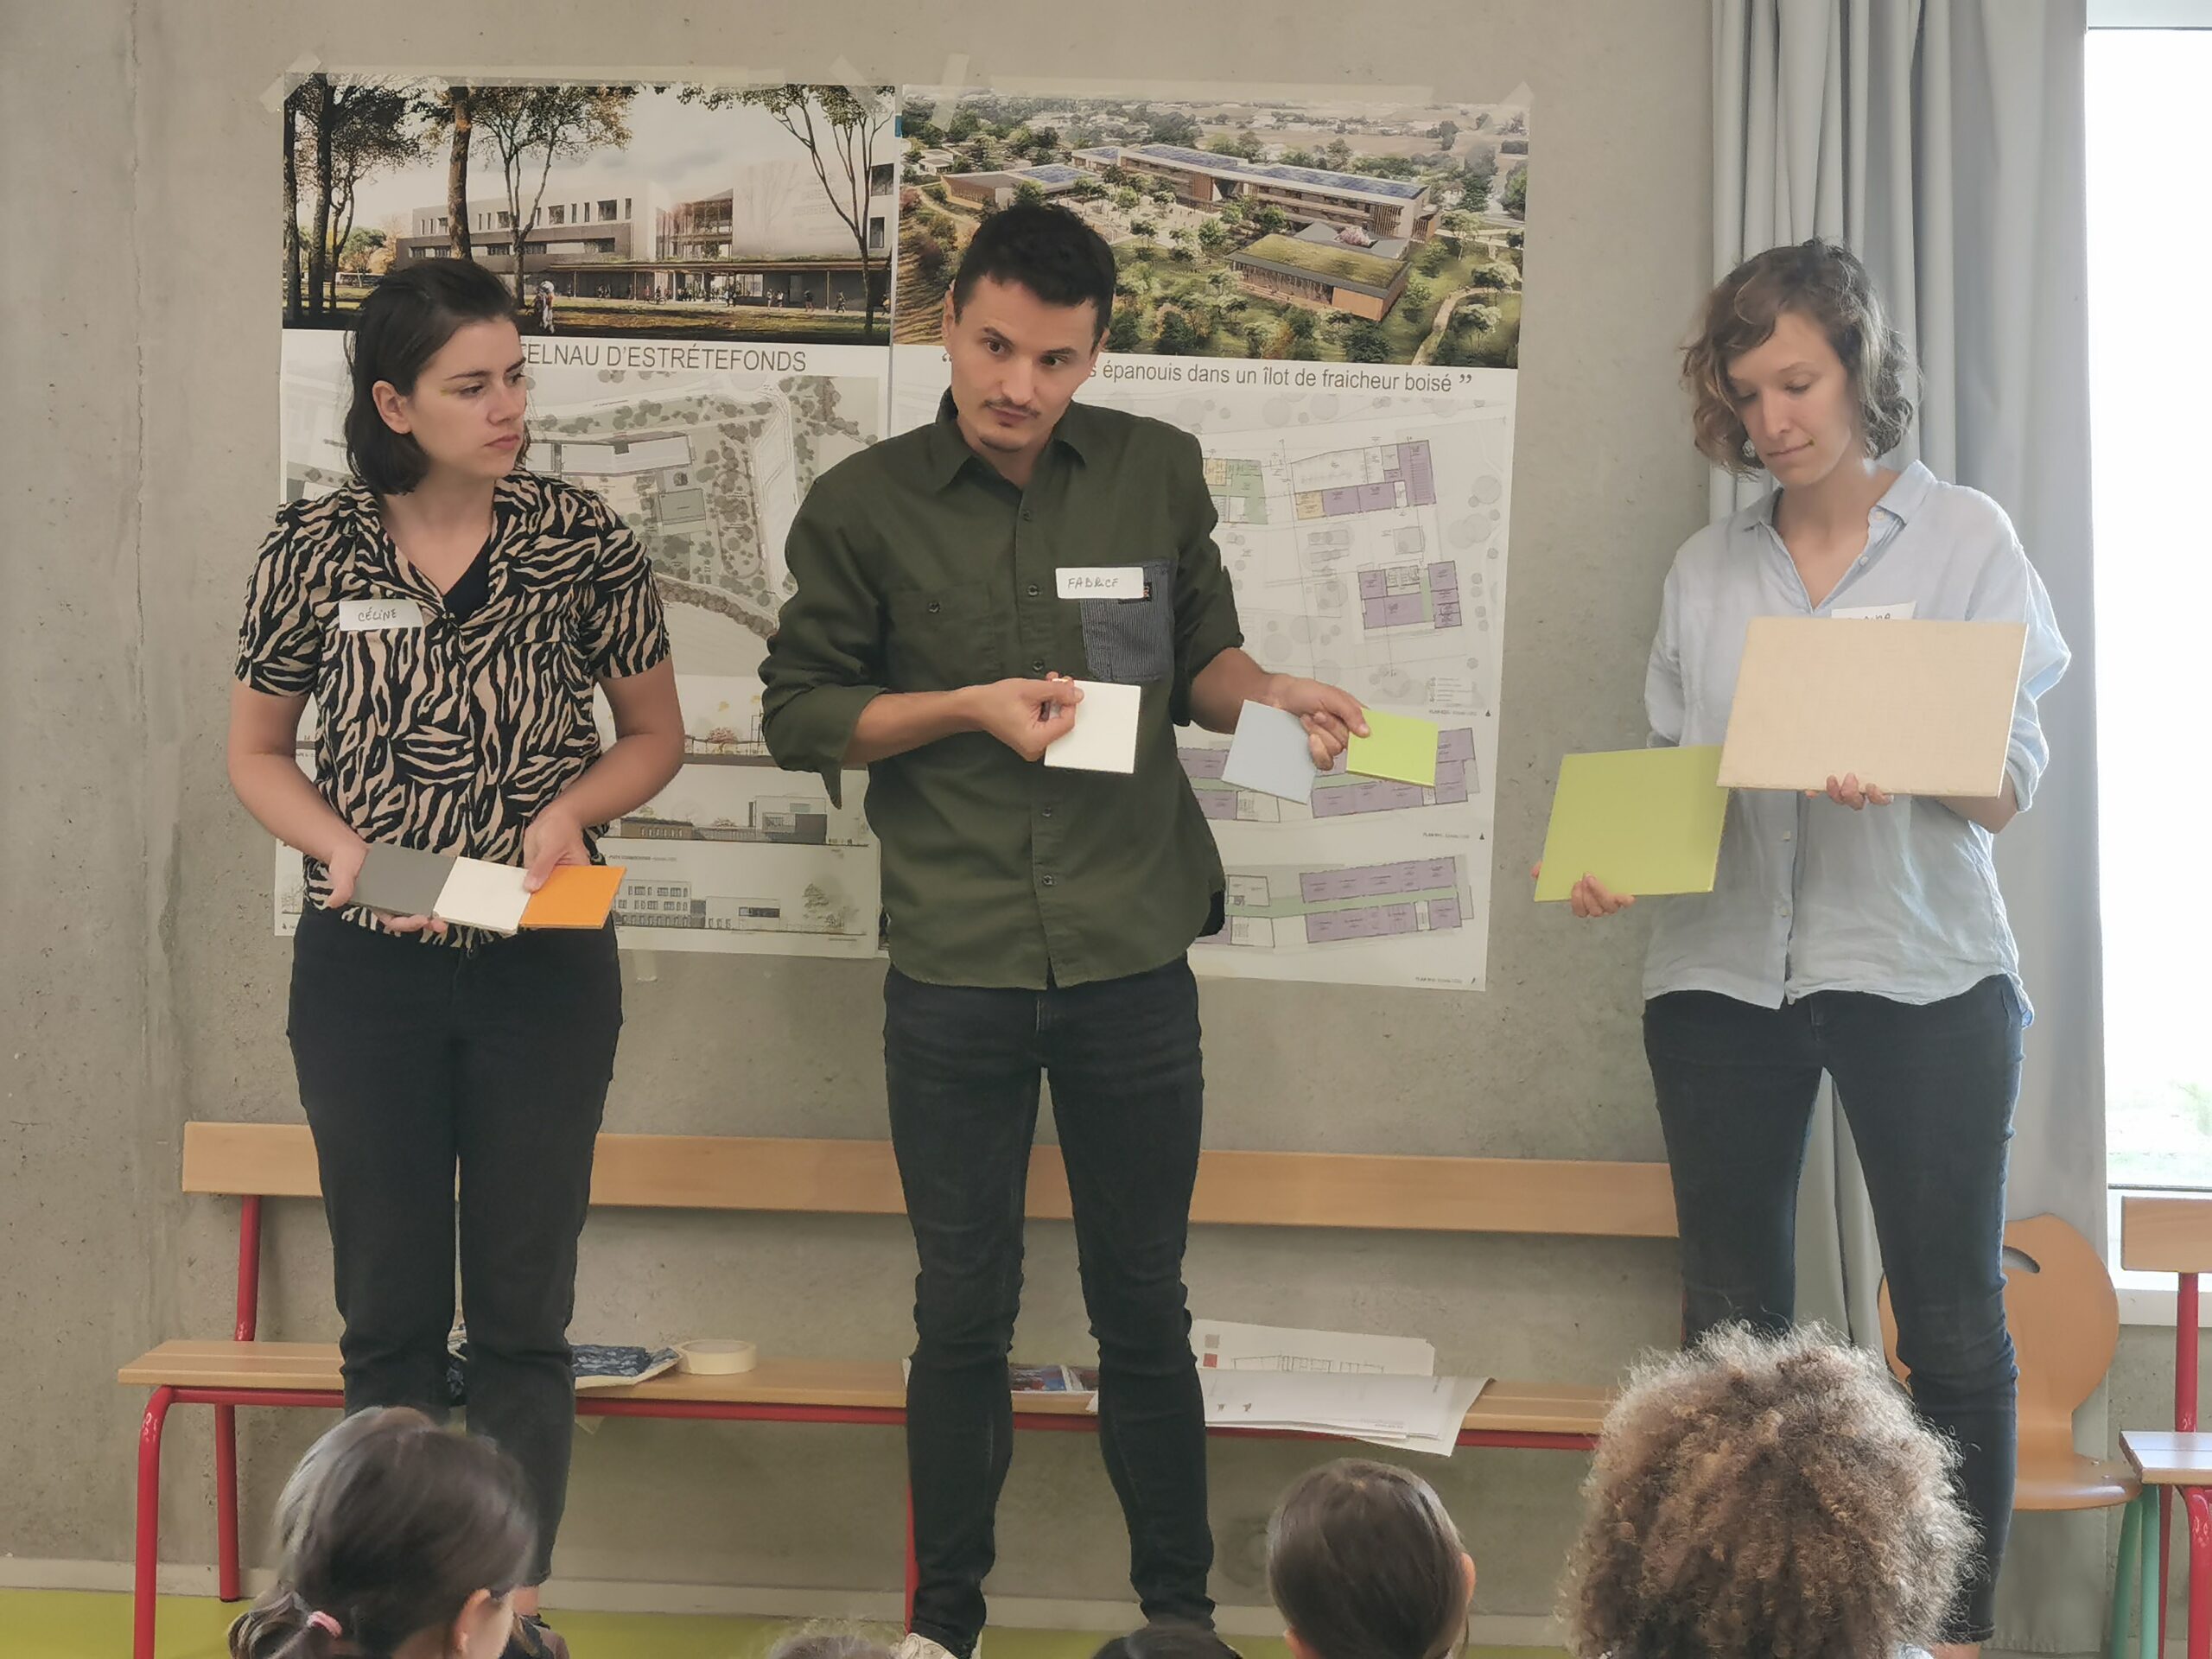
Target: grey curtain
{"points": [[1943, 141]]}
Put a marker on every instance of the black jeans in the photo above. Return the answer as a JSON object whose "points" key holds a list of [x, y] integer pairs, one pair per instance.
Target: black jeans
{"points": [[1929, 1092], [414, 1059], [962, 1065]]}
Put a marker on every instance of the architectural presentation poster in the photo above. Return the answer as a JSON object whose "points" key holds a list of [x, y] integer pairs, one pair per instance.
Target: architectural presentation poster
{"points": [[1328, 296], [702, 287], [710, 280]]}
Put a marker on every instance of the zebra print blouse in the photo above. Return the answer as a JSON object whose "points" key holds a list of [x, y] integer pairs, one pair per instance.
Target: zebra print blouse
{"points": [[452, 737]]}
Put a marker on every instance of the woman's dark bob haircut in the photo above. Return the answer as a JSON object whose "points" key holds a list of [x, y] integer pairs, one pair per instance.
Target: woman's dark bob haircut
{"points": [[404, 322]]}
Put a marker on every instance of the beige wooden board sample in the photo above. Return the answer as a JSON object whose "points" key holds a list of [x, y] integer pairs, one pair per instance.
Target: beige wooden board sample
{"points": [[1914, 708]]}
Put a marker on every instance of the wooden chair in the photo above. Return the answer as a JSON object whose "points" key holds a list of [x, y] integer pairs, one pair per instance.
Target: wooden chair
{"points": [[2064, 1317]]}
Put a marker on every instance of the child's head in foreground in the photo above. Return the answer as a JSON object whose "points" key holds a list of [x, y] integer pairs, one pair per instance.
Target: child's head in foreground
{"points": [[1765, 1498], [1167, 1639], [1363, 1563], [830, 1641], [400, 1541]]}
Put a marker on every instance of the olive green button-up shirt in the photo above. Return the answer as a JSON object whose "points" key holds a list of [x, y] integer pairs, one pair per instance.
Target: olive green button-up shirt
{"points": [[919, 569]]}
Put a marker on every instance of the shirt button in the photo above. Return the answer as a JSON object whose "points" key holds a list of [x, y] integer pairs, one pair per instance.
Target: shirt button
{"points": [[1790, 834], [934, 607], [1047, 812], [1037, 666], [1048, 881], [1027, 515], [1033, 590]]}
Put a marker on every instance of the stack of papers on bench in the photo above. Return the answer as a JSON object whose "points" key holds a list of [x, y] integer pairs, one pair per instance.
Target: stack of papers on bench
{"points": [[1380, 1390]]}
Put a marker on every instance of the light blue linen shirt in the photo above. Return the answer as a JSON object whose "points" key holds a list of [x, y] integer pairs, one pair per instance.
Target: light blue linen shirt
{"points": [[1898, 900]]}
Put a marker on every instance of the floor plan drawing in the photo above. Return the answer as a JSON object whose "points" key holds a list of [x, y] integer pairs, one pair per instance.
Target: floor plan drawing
{"points": [[1291, 909], [1336, 793]]}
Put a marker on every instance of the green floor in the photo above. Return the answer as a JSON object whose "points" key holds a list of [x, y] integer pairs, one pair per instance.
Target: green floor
{"points": [[80, 1624], [77, 1625]]}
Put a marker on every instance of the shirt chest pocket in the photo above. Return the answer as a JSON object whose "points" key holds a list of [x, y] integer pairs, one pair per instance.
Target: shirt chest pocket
{"points": [[941, 638], [375, 664], [1132, 641]]}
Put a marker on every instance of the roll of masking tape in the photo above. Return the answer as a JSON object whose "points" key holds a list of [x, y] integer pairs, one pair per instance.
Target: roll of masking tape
{"points": [[715, 1358]]}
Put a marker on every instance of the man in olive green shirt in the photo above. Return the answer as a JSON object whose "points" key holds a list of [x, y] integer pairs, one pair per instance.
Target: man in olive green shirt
{"points": [[1039, 917]]}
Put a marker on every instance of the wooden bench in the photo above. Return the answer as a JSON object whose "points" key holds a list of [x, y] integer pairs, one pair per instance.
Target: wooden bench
{"points": [[255, 1162]]}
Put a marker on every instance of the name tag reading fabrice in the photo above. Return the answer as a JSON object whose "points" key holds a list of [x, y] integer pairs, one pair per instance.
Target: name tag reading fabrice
{"points": [[1102, 581], [377, 615]]}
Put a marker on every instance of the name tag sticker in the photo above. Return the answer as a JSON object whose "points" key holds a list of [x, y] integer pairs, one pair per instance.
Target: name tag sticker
{"points": [[1103, 582], [1899, 612], [377, 615]]}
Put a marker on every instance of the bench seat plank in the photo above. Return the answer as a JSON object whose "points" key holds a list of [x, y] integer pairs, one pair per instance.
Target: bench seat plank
{"points": [[1503, 1408], [1239, 1189]]}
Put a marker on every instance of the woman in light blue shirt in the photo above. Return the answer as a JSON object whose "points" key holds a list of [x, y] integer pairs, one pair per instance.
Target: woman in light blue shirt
{"points": [[1850, 932]]}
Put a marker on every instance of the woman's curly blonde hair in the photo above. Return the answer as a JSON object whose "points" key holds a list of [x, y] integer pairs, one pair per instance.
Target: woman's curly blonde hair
{"points": [[1765, 1498], [1827, 285]]}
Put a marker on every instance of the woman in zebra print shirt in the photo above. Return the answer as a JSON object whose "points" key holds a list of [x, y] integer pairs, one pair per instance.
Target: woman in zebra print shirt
{"points": [[451, 615]]}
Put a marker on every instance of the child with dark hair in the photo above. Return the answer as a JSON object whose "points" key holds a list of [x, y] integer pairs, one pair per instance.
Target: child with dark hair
{"points": [[1364, 1563], [1168, 1639], [400, 1541]]}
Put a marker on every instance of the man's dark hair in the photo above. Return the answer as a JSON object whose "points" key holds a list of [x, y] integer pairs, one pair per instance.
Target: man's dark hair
{"points": [[1046, 249], [404, 322]]}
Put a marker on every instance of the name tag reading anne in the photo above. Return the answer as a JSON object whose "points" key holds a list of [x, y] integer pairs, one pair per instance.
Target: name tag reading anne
{"points": [[377, 615], [1102, 581]]}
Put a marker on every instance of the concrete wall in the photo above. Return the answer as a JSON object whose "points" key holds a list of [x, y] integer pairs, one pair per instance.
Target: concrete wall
{"points": [[81, 1123], [142, 988]]}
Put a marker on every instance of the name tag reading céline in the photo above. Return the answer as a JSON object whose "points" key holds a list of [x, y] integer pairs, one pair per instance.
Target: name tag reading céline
{"points": [[377, 615], [1102, 581]]}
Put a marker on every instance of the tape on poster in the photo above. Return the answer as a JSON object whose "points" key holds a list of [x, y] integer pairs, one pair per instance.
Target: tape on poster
{"points": [[281, 88], [538, 74], [716, 1357], [950, 83]]}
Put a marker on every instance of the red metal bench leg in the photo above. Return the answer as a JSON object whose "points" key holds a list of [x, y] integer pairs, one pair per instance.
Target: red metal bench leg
{"points": [[913, 1566], [226, 1503], [2200, 1571], [150, 1523]]}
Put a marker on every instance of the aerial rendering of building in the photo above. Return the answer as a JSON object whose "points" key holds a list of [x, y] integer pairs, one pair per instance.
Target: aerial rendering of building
{"points": [[1000, 185], [1327, 268], [1397, 208]]}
